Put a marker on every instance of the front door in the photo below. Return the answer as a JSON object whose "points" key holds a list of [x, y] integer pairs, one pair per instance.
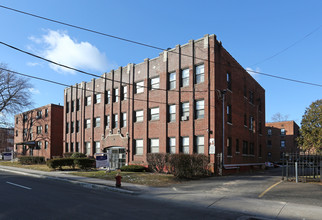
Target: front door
{"points": [[117, 157]]}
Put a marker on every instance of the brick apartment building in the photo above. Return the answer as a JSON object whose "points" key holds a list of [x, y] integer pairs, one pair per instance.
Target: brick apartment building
{"points": [[39, 132], [172, 103], [6, 140], [281, 138]]}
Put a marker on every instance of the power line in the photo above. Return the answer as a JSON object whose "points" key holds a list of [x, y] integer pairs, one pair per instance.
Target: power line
{"points": [[285, 49], [154, 47]]}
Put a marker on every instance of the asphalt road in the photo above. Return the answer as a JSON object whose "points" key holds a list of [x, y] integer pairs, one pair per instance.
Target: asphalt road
{"points": [[23, 197]]}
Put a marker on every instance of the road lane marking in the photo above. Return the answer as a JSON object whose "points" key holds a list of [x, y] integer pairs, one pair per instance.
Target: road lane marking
{"points": [[24, 187], [268, 189]]}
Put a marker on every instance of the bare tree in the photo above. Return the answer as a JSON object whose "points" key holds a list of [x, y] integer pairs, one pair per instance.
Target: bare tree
{"points": [[279, 117], [14, 94]]}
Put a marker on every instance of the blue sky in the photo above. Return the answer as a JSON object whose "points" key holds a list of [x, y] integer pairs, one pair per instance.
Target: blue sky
{"points": [[250, 30]]}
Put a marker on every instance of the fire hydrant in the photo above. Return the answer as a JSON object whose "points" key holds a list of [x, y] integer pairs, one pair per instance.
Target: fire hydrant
{"points": [[118, 178]]}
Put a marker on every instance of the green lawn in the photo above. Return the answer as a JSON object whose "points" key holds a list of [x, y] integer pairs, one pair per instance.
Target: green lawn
{"points": [[142, 178]]}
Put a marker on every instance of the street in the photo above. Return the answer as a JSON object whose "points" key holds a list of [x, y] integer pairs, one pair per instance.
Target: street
{"points": [[36, 198]]}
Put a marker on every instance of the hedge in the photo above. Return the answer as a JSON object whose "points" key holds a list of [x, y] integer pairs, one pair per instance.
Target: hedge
{"points": [[60, 162], [31, 160], [84, 163], [133, 168]]}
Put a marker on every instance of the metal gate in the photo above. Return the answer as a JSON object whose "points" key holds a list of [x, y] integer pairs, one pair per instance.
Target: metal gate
{"points": [[302, 167]]}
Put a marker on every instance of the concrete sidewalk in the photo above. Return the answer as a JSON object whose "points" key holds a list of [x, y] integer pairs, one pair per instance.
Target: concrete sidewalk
{"points": [[251, 208]]}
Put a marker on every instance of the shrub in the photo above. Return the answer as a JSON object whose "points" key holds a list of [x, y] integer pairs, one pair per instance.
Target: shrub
{"points": [[60, 162], [84, 163], [67, 155], [157, 162], [133, 168], [78, 155], [31, 160], [189, 166]]}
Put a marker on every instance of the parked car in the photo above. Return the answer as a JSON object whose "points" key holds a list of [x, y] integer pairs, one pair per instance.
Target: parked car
{"points": [[269, 164]]}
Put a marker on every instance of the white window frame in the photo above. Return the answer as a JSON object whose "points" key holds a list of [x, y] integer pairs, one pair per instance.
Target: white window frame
{"points": [[139, 147], [185, 109], [87, 123], [154, 145], [97, 145], [155, 83], [116, 94], [200, 109], [124, 88], [172, 80], [185, 145], [200, 73], [155, 114], [87, 148], [116, 120], [97, 98], [124, 119], [185, 77], [139, 87], [200, 144], [172, 113], [97, 122], [139, 116], [88, 100], [172, 145]]}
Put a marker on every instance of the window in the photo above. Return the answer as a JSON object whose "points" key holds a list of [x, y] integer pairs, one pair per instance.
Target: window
{"points": [[200, 73], [200, 144], [139, 87], [260, 151], [245, 90], [25, 118], [72, 106], [229, 146], [87, 148], [185, 110], [229, 114], [16, 133], [67, 107], [260, 104], [72, 127], [66, 147], [200, 109], [237, 146], [251, 97], [154, 113], [46, 144], [77, 147], [185, 145], [124, 119], [88, 100], [107, 97], [229, 81], [116, 95], [77, 126], [17, 120], [67, 127], [172, 80], [245, 147], [107, 121], [46, 128], [185, 78], [155, 83], [251, 149], [269, 143], [97, 98], [97, 122], [87, 123], [46, 112], [260, 127], [269, 154], [245, 120], [77, 105], [115, 121], [172, 145], [172, 113], [283, 131], [269, 132], [124, 89], [251, 123], [39, 144], [282, 143], [97, 147], [139, 116], [72, 147], [138, 147], [39, 114], [154, 145]]}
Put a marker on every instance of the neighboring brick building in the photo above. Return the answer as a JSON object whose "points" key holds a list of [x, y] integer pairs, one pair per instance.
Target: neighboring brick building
{"points": [[170, 104], [39, 132], [6, 139], [281, 138]]}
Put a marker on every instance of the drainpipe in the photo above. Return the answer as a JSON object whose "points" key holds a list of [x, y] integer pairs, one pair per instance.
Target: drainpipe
{"points": [[223, 92]]}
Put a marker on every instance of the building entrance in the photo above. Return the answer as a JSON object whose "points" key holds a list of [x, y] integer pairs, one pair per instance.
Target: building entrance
{"points": [[117, 157]]}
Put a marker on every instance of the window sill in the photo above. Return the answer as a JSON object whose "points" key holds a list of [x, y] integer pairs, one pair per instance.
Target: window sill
{"points": [[229, 123]]}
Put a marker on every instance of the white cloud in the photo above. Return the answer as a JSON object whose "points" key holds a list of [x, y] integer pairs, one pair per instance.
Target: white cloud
{"points": [[34, 91], [33, 64], [60, 48]]}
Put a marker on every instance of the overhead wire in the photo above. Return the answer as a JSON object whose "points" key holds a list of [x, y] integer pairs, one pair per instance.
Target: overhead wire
{"points": [[159, 48]]}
